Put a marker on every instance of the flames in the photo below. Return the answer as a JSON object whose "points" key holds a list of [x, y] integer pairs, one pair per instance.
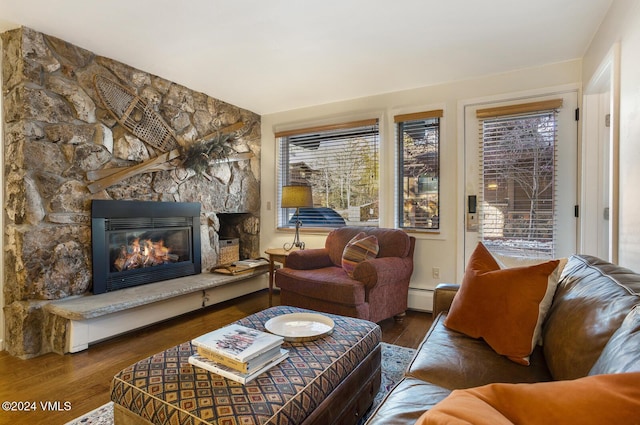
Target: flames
{"points": [[143, 253]]}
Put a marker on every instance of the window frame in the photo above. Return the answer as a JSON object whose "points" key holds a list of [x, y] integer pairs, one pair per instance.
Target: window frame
{"points": [[399, 121], [512, 114], [283, 176]]}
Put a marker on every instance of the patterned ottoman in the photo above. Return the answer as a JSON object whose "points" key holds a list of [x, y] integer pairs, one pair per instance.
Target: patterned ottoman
{"points": [[327, 381]]}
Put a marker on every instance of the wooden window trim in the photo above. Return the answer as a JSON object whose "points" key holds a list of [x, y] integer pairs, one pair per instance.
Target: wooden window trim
{"points": [[522, 108], [436, 113], [351, 124]]}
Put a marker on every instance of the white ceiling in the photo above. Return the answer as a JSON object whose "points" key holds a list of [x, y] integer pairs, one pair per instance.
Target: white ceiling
{"points": [[275, 55]]}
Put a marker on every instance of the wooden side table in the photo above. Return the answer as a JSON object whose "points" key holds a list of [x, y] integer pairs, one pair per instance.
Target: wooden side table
{"points": [[276, 255]]}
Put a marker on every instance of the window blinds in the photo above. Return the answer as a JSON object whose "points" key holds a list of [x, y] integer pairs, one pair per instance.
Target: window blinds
{"points": [[419, 170], [340, 162], [517, 181]]}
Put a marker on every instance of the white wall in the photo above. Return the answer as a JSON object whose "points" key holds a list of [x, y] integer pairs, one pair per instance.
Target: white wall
{"points": [[441, 250], [622, 25]]}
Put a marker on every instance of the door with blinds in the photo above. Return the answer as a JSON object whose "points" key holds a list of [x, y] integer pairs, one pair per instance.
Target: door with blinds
{"points": [[521, 176]]}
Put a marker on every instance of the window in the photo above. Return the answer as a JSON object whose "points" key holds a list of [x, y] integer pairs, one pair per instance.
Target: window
{"points": [[419, 170], [518, 178], [340, 163]]}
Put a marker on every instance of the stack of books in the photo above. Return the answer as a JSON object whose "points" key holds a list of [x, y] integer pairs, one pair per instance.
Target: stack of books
{"points": [[237, 352]]}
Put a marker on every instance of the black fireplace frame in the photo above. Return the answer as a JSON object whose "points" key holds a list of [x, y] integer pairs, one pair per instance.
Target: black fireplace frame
{"points": [[162, 214]]}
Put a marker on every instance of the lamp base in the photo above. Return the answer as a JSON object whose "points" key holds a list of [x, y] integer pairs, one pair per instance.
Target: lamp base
{"points": [[290, 246], [297, 243]]}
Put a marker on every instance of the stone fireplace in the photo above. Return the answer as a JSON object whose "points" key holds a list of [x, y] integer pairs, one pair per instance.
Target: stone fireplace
{"points": [[58, 133]]}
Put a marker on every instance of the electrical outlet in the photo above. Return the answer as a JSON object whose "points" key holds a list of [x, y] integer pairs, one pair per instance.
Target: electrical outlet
{"points": [[436, 272]]}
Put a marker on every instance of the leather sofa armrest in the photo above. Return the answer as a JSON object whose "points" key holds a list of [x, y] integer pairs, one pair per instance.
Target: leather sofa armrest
{"points": [[309, 259], [443, 297], [383, 270]]}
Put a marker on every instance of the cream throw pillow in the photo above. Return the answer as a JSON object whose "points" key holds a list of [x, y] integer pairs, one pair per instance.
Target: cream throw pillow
{"points": [[360, 248]]}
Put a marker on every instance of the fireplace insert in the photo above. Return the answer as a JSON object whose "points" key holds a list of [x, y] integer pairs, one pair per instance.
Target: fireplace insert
{"points": [[139, 242]]}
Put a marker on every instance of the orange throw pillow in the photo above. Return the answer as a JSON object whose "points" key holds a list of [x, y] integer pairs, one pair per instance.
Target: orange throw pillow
{"points": [[597, 400], [500, 305]]}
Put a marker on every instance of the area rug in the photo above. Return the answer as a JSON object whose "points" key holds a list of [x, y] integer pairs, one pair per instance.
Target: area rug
{"points": [[394, 362]]}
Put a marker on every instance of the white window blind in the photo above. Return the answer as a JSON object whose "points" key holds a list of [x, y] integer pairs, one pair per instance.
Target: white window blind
{"points": [[517, 182], [340, 163]]}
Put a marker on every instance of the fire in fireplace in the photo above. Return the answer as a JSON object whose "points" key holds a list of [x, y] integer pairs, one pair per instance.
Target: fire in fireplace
{"points": [[142, 249], [136, 242]]}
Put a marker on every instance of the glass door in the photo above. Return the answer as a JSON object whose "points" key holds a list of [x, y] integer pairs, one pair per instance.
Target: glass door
{"points": [[521, 176]]}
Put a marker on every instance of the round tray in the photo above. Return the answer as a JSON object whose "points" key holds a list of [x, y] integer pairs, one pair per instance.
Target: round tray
{"points": [[299, 327]]}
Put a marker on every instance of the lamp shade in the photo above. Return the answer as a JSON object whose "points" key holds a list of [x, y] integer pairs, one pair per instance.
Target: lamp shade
{"points": [[296, 197]]}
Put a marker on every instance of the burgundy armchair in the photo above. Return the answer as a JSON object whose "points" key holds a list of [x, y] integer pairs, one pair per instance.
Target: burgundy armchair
{"points": [[315, 279]]}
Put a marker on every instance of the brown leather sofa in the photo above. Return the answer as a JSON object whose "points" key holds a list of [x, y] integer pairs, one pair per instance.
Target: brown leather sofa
{"points": [[592, 328], [314, 278]]}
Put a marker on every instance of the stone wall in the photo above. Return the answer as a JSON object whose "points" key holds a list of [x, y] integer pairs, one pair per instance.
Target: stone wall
{"points": [[56, 129]]}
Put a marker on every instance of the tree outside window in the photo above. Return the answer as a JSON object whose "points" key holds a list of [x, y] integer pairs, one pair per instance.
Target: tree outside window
{"points": [[518, 179]]}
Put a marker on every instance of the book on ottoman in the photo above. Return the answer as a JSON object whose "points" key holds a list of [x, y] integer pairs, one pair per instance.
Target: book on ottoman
{"points": [[234, 375], [244, 367], [236, 345]]}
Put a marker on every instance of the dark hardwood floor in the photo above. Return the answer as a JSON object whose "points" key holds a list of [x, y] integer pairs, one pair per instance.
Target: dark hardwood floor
{"points": [[80, 382]]}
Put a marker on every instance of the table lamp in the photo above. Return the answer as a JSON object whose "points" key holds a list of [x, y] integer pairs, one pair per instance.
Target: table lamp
{"points": [[296, 197]]}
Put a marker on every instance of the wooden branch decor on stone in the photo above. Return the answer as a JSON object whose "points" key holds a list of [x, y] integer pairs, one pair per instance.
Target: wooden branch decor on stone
{"points": [[110, 176], [132, 171], [167, 166]]}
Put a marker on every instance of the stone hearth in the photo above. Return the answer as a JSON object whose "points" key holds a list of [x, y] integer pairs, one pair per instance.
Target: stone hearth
{"points": [[56, 130]]}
